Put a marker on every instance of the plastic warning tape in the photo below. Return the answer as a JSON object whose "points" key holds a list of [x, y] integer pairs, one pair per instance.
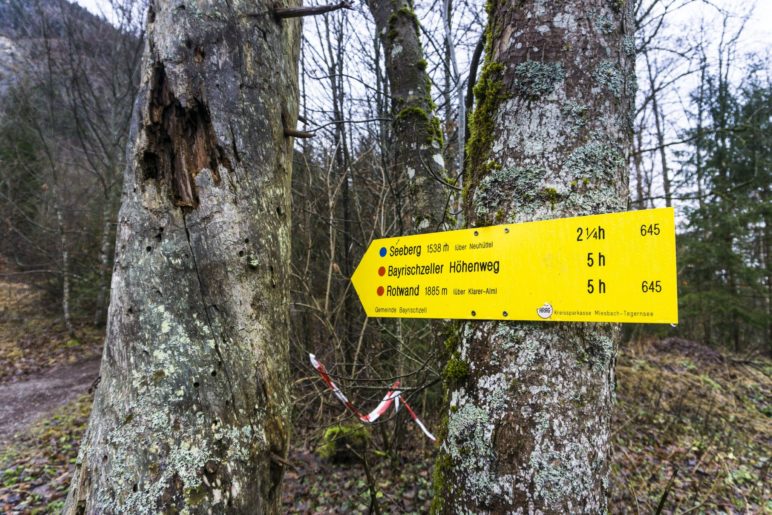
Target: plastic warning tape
{"points": [[393, 396]]}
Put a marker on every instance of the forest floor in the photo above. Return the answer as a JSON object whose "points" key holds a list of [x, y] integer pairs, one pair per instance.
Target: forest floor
{"points": [[692, 430], [22, 402], [30, 341], [45, 376]]}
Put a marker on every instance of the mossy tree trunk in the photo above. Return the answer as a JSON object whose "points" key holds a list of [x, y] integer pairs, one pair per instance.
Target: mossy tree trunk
{"points": [[192, 411], [418, 170], [417, 175], [530, 404]]}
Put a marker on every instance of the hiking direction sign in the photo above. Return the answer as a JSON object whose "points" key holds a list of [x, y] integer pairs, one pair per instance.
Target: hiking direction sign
{"points": [[618, 267]]}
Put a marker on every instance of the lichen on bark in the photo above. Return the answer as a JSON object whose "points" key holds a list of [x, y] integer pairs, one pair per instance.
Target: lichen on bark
{"points": [[535, 79], [192, 409], [528, 425]]}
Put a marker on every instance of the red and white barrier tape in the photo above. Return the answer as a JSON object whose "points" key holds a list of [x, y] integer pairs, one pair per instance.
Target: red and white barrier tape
{"points": [[391, 397]]}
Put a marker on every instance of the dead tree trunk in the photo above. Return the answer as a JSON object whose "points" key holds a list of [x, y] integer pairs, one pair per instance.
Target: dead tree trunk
{"points": [[528, 424], [192, 411], [418, 169]]}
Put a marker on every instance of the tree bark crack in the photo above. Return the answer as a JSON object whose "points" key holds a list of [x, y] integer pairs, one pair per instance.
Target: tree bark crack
{"points": [[209, 321]]}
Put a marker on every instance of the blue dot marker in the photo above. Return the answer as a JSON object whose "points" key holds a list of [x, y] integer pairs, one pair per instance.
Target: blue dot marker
{"points": [[383, 251]]}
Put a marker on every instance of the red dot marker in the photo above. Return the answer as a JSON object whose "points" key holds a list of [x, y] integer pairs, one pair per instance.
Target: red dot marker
{"points": [[381, 271], [380, 290]]}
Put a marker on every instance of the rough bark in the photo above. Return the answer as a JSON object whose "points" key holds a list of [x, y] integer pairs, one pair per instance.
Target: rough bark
{"points": [[418, 169], [528, 424], [192, 411]]}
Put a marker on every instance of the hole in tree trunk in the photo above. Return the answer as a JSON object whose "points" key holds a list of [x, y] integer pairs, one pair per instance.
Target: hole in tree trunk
{"points": [[181, 141]]}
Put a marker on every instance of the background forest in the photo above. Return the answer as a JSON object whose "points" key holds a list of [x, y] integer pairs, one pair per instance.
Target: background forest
{"points": [[692, 426]]}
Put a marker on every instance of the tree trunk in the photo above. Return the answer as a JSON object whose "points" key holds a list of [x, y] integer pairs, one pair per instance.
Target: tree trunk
{"points": [[659, 120], [417, 164], [530, 404], [192, 412], [65, 251], [104, 258], [417, 170], [452, 63]]}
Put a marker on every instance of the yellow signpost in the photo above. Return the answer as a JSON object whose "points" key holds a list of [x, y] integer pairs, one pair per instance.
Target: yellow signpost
{"points": [[617, 267]]}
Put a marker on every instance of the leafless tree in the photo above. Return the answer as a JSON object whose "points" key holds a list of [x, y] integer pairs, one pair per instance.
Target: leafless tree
{"points": [[192, 410], [530, 404]]}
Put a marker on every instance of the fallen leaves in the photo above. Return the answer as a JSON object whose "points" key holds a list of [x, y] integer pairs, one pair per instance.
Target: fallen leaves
{"points": [[37, 466], [30, 341], [683, 405]]}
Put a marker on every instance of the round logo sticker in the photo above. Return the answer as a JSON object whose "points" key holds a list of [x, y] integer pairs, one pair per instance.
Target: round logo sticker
{"points": [[545, 311]]}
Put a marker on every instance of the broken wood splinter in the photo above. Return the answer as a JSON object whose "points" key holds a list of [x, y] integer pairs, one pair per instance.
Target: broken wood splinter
{"points": [[294, 133], [296, 12]]}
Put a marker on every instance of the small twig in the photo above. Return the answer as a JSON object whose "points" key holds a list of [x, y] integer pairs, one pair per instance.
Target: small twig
{"points": [[278, 459], [296, 12], [662, 500], [336, 122], [371, 485], [294, 133], [26, 272]]}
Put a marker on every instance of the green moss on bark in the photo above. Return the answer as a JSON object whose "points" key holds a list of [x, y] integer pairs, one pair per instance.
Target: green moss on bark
{"points": [[455, 371], [340, 441], [420, 115], [440, 484], [408, 13], [412, 112], [489, 94]]}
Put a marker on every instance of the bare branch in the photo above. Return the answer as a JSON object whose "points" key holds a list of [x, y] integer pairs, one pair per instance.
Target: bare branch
{"points": [[296, 12], [294, 133]]}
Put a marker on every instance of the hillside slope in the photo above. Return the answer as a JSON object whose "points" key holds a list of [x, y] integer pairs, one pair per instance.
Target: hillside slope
{"points": [[692, 430], [24, 24]]}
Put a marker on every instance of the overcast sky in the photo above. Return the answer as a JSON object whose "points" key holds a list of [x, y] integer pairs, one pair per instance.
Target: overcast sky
{"points": [[758, 35]]}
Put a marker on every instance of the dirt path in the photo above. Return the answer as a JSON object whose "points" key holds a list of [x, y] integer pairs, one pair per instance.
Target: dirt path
{"points": [[23, 402]]}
